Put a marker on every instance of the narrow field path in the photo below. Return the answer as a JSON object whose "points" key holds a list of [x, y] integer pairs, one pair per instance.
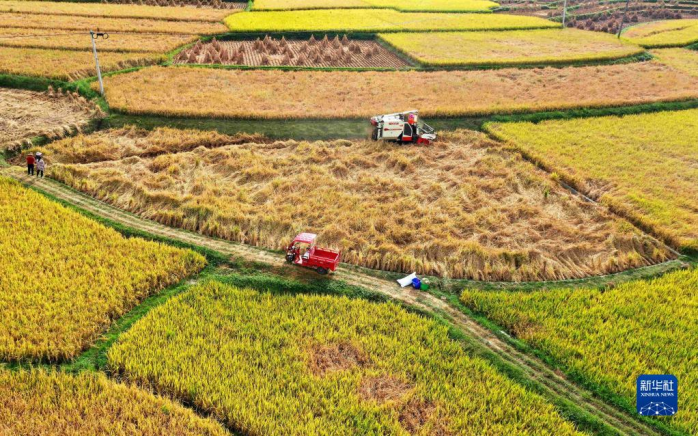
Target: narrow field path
{"points": [[556, 385]]}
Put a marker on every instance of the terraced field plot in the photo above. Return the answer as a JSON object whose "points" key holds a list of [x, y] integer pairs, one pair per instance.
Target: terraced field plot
{"points": [[679, 58], [43, 403], [516, 47], [376, 20], [202, 92], [407, 6], [26, 114], [657, 34], [63, 278], [643, 166], [610, 337], [334, 359], [463, 208]]}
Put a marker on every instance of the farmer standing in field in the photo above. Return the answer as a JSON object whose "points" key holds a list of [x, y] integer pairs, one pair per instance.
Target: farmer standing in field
{"points": [[30, 164], [40, 167]]}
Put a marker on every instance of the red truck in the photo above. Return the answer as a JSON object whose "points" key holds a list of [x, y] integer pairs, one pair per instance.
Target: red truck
{"points": [[303, 252]]}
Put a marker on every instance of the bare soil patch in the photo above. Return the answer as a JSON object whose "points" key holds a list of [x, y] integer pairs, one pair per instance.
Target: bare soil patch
{"points": [[383, 388], [327, 358]]}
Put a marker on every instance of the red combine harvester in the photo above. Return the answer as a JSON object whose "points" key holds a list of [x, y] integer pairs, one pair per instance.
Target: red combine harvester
{"points": [[303, 252], [403, 128]]}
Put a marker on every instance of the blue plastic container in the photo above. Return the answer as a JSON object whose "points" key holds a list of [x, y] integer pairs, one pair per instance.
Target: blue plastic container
{"points": [[416, 283]]}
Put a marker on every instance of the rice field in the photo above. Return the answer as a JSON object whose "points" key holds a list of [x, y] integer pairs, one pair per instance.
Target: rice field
{"points": [[406, 6], [463, 208], [198, 92], [609, 337], [64, 278], [38, 402], [658, 34], [679, 58], [376, 20], [338, 366], [516, 47], [67, 64], [72, 40], [112, 10], [642, 166]]}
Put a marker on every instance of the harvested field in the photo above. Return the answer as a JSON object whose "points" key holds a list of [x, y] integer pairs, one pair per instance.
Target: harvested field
{"points": [[643, 166], [215, 4], [407, 6], [27, 114], [679, 58], [68, 64], [257, 379], [323, 53], [657, 34], [72, 40], [112, 10], [463, 208], [38, 402], [377, 20], [609, 337], [199, 92], [515, 47], [68, 22]]}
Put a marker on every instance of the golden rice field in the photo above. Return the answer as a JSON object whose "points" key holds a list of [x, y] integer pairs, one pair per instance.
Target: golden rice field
{"points": [[338, 366], [68, 64], [71, 40], [40, 402], [105, 24], [657, 34], [610, 337], [679, 58], [377, 20], [515, 47], [64, 278], [202, 92], [462, 208], [407, 6], [113, 10], [642, 166]]}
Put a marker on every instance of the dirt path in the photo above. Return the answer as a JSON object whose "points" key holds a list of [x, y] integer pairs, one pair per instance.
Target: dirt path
{"points": [[556, 384]]}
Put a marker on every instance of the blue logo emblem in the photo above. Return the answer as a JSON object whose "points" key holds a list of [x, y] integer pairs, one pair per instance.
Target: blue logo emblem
{"points": [[657, 395]]}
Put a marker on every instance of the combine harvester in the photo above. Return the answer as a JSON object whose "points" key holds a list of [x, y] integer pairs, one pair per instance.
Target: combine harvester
{"points": [[303, 252], [403, 128]]}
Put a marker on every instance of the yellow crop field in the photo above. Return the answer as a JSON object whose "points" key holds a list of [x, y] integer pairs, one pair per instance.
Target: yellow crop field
{"points": [[642, 166], [340, 94], [657, 34], [67, 39], [407, 6], [515, 47], [113, 10], [84, 24], [610, 337], [462, 208], [64, 278], [376, 20], [52, 403], [68, 64], [333, 360], [679, 58]]}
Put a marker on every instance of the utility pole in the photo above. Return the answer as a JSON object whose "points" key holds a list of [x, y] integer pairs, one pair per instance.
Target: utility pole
{"points": [[94, 36], [622, 21], [564, 14]]}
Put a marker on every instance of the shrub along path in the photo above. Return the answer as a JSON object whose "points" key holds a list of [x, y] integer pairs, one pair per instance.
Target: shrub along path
{"points": [[554, 385]]}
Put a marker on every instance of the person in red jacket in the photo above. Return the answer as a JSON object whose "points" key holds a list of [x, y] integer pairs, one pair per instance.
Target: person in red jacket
{"points": [[30, 164]]}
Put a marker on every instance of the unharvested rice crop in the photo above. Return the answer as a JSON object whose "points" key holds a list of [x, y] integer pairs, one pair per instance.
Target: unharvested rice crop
{"points": [[64, 278], [679, 58], [642, 166], [516, 47], [609, 337], [462, 208], [52, 403], [72, 40], [26, 114], [85, 24], [311, 365], [112, 10], [202, 92], [377, 20], [657, 34], [408, 6], [68, 64]]}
